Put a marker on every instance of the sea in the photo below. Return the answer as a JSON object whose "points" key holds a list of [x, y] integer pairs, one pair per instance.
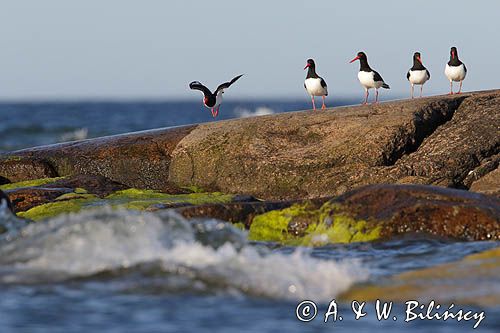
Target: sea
{"points": [[108, 270]]}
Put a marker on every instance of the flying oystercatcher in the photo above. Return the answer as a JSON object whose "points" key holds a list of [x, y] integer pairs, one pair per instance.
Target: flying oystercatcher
{"points": [[314, 84], [418, 74], [455, 70], [368, 77], [213, 100]]}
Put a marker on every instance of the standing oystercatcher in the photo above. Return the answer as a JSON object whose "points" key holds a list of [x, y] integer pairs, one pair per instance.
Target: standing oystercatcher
{"points": [[213, 101], [418, 74], [368, 77], [455, 70], [314, 84]]}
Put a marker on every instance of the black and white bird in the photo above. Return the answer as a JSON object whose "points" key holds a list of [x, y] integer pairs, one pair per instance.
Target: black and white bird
{"points": [[368, 77], [213, 100], [314, 84], [455, 70], [418, 74]]}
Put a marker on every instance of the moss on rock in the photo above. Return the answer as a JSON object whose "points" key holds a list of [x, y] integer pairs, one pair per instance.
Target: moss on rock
{"points": [[319, 226], [130, 199], [29, 183], [55, 208]]}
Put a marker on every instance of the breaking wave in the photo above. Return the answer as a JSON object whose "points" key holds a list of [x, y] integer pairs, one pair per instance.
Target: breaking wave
{"points": [[246, 113], [165, 252]]}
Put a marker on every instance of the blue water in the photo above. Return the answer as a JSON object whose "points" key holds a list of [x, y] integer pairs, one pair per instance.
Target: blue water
{"points": [[147, 272], [25, 125]]}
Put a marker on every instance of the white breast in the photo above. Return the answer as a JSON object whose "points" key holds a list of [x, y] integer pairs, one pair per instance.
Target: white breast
{"points": [[367, 81], [455, 73], [418, 77], [314, 88]]}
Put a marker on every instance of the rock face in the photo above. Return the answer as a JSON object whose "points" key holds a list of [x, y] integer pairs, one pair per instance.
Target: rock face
{"points": [[450, 141], [382, 212], [434, 210]]}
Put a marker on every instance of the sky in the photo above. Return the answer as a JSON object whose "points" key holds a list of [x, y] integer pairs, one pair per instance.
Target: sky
{"points": [[152, 49]]}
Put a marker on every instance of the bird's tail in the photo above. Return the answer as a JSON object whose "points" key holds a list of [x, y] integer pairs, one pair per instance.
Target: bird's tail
{"points": [[386, 86]]}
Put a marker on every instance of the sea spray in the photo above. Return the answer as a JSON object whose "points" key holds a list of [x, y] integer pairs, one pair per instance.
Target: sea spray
{"points": [[207, 255]]}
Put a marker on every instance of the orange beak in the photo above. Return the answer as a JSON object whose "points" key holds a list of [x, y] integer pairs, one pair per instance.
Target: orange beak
{"points": [[307, 66]]}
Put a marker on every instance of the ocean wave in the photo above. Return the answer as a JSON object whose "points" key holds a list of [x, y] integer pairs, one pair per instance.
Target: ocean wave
{"points": [[203, 255], [246, 113], [77, 134]]}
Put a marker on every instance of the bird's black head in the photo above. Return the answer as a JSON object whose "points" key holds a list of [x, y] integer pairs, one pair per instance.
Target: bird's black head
{"points": [[310, 63], [416, 56], [453, 53], [360, 56]]}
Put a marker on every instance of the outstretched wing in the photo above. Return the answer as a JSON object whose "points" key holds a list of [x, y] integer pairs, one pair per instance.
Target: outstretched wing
{"points": [[195, 85], [226, 85]]}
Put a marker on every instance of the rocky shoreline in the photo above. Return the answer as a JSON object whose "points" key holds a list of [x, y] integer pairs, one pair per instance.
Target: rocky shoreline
{"points": [[347, 174]]}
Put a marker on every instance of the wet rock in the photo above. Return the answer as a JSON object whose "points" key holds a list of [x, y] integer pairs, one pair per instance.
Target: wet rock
{"points": [[97, 185], [455, 282], [29, 197], [433, 210], [488, 184], [235, 212], [381, 212]]}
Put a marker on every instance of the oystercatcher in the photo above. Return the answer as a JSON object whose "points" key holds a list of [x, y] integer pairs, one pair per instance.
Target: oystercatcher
{"points": [[314, 84], [455, 70], [213, 100], [368, 77], [418, 74]]}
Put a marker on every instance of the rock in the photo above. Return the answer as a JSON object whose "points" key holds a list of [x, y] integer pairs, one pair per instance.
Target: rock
{"points": [[97, 185], [139, 160], [381, 212], [235, 212], [29, 197], [4, 197], [440, 140], [442, 212], [489, 184], [455, 282], [15, 169]]}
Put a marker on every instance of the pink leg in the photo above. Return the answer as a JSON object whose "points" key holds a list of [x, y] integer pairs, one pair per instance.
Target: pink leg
{"points": [[451, 88], [366, 97], [421, 88], [323, 107], [314, 105], [412, 90], [460, 89], [217, 111], [376, 96], [212, 110]]}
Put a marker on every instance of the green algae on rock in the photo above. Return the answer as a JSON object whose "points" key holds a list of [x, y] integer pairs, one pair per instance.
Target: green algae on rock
{"points": [[305, 224], [29, 183], [142, 199], [52, 209], [131, 199]]}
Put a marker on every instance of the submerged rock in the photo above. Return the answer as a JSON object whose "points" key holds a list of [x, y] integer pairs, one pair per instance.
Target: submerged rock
{"points": [[472, 280]]}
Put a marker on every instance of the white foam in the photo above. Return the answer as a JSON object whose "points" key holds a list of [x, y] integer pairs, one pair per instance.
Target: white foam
{"points": [[260, 111], [78, 134], [90, 242]]}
